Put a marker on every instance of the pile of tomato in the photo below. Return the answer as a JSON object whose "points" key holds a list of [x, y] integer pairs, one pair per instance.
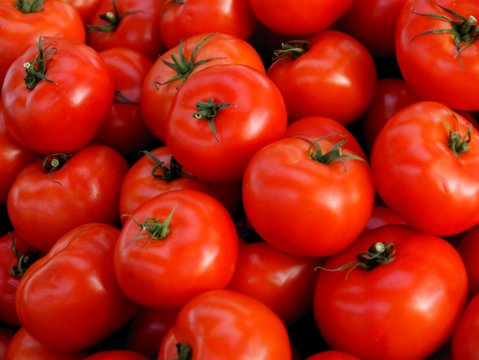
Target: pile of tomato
{"points": [[240, 179]]}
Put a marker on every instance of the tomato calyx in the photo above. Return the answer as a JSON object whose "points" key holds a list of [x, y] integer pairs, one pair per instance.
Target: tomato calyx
{"points": [[112, 19], [121, 98], [37, 68], [457, 142], [182, 66], [168, 173], [378, 254], [24, 260], [55, 162], [184, 351], [29, 6], [464, 30], [208, 110], [291, 49]]}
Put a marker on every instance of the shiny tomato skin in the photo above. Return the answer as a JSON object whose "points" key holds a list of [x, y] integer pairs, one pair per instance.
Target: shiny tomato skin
{"points": [[335, 77], [116, 355], [180, 20], [464, 345], [198, 253], [430, 63], [55, 291], [468, 247], [124, 129], [415, 299], [321, 208], [255, 117], [140, 185], [43, 206], [20, 30], [224, 324], [158, 92], [411, 154], [382, 215], [86, 8], [63, 116], [293, 18]]}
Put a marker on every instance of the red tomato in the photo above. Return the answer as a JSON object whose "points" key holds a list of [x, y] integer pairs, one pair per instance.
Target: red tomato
{"points": [[283, 282], [22, 22], [331, 74], [147, 329], [157, 172], [382, 215], [426, 168], [15, 258], [220, 117], [86, 8], [224, 324], [124, 128], [394, 286], [436, 51], [468, 248], [332, 355], [182, 19], [126, 23], [64, 111], [116, 355], [74, 284], [13, 158], [22, 346], [290, 17], [46, 201], [392, 95], [174, 66], [179, 244], [308, 197], [373, 22], [464, 345]]}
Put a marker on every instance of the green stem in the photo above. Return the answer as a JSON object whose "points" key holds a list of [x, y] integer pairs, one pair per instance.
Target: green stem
{"points": [[112, 19], [54, 162], [36, 69], [168, 173], [208, 110], [120, 98], [457, 142], [184, 352], [29, 6], [292, 49], [24, 260]]}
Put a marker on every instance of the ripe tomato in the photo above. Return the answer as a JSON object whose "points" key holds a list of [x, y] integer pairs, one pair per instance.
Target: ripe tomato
{"points": [[393, 286], [157, 172], [64, 111], [224, 324], [382, 215], [330, 74], [174, 66], [116, 355], [332, 355], [308, 197], [124, 129], [436, 51], [426, 168], [468, 247], [74, 284], [46, 201], [178, 244], [220, 117], [464, 345], [86, 8], [289, 17], [126, 23], [22, 22], [182, 19], [281, 281]]}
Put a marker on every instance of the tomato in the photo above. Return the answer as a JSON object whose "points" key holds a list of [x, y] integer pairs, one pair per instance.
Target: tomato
{"points": [[182, 19], [126, 23], [86, 8], [64, 99], [220, 117], [6, 335], [332, 355], [392, 95], [436, 51], [124, 128], [468, 247], [382, 215], [174, 66], [179, 244], [464, 345], [51, 197], [308, 197], [13, 158], [116, 355], [393, 286], [55, 291], [16, 257], [425, 165], [283, 282], [147, 329], [157, 171], [329, 74], [22, 22], [224, 324], [289, 17], [373, 22]]}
